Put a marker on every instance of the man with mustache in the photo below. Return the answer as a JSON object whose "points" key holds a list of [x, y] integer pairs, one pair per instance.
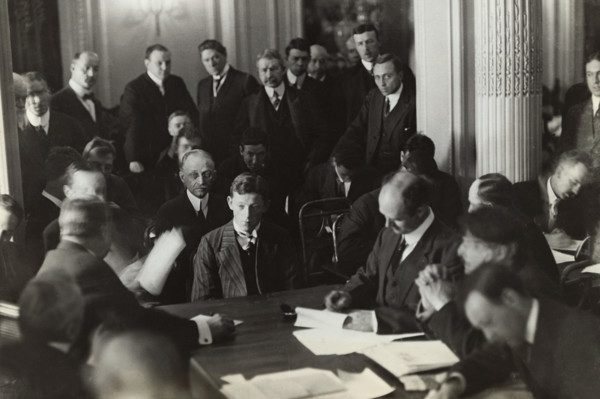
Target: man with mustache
{"points": [[198, 210]]}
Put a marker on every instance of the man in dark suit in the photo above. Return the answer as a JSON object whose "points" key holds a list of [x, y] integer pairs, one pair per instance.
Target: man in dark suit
{"points": [[555, 202], [344, 176], [45, 129], [556, 349], [248, 255], [78, 101], [386, 120], [357, 81], [196, 211], [297, 54], [219, 99], [146, 104], [85, 240], [581, 127], [254, 157], [297, 134], [412, 239]]}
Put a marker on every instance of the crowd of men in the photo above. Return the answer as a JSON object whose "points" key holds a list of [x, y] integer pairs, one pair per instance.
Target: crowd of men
{"points": [[230, 172]]}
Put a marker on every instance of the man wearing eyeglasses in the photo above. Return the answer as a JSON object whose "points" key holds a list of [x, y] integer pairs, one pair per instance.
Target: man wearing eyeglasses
{"points": [[198, 210]]}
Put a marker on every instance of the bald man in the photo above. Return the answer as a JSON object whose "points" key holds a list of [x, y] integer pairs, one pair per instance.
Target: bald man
{"points": [[77, 99], [411, 239], [317, 66], [198, 210], [20, 90]]}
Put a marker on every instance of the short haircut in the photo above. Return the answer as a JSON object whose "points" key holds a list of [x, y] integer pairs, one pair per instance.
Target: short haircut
{"points": [[574, 157], [155, 47], [101, 146], [420, 142], [190, 133], [593, 56], [490, 280], [415, 195], [199, 152], [83, 217], [348, 159], [249, 183], [80, 53], [399, 66], [177, 113], [34, 76], [420, 163], [10, 205], [254, 136], [270, 54], [58, 161], [297, 43], [360, 29], [495, 189], [212, 44], [78, 166], [48, 306]]}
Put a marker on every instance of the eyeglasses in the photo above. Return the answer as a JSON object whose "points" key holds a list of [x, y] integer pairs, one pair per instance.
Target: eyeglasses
{"points": [[206, 175]]}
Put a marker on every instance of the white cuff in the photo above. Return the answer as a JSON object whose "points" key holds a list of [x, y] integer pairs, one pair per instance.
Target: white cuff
{"points": [[374, 323], [204, 335], [462, 381]]}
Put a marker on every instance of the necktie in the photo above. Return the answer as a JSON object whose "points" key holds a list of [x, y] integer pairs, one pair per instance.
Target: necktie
{"points": [[341, 189], [401, 248], [275, 100], [88, 96], [216, 85], [386, 110], [40, 130]]}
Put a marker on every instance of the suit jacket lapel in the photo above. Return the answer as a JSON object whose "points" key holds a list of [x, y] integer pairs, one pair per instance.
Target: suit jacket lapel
{"points": [[222, 93], [387, 251], [376, 114], [294, 105], [230, 264], [399, 110], [82, 110]]}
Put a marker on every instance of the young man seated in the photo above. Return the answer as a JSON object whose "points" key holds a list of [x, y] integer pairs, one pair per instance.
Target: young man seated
{"points": [[248, 255]]}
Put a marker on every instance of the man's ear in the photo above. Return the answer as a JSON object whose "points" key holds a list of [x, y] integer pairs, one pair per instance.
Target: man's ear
{"points": [[181, 176], [241, 147], [146, 62], [66, 190], [230, 202]]}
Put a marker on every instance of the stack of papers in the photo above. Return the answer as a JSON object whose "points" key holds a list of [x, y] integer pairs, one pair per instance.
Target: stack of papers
{"points": [[402, 358], [307, 383], [560, 257]]}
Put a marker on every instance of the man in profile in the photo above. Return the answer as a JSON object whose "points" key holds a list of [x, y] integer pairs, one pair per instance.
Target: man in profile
{"points": [[220, 96], [78, 101], [412, 239], [248, 255], [85, 241], [387, 118]]}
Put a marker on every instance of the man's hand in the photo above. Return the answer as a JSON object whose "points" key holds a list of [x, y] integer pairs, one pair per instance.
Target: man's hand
{"points": [[136, 167], [360, 320], [450, 389], [220, 327], [437, 293], [337, 300]]}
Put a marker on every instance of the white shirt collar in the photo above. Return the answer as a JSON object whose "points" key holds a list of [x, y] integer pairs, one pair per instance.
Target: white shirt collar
{"points": [[223, 74], [293, 78], [394, 97], [532, 320], [35, 120], [52, 198], [552, 198], [241, 232], [198, 203], [368, 65], [243, 238], [155, 79], [595, 103], [279, 89], [413, 238], [78, 89]]}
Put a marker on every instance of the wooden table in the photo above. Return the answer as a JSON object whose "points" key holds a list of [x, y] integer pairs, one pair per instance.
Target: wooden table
{"points": [[264, 342]]}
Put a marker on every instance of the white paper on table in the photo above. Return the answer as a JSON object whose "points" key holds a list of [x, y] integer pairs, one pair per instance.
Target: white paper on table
{"points": [[559, 257], [242, 390], [572, 246], [160, 261], [342, 342], [402, 358], [413, 383], [313, 318], [300, 383], [206, 317], [592, 269], [364, 385]]}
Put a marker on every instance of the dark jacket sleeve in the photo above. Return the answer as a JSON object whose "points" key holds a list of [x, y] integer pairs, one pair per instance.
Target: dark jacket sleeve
{"points": [[355, 137], [485, 367], [289, 264], [131, 124], [363, 286]]}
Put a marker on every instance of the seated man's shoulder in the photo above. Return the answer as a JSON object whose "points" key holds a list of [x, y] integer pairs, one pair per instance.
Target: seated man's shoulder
{"points": [[275, 232]]}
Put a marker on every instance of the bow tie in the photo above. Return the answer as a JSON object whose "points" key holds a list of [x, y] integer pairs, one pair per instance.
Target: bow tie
{"points": [[88, 96]]}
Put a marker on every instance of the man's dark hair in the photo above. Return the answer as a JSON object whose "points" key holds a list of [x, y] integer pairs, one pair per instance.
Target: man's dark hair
{"points": [[249, 183], [297, 43], [592, 56], [496, 189], [420, 163], [490, 280], [190, 133], [365, 28], [399, 66], [574, 157], [253, 136], [35, 76], [99, 145], [420, 142], [78, 166], [348, 159], [414, 196], [83, 217], [212, 44], [498, 225], [58, 161], [10, 205], [155, 47]]}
